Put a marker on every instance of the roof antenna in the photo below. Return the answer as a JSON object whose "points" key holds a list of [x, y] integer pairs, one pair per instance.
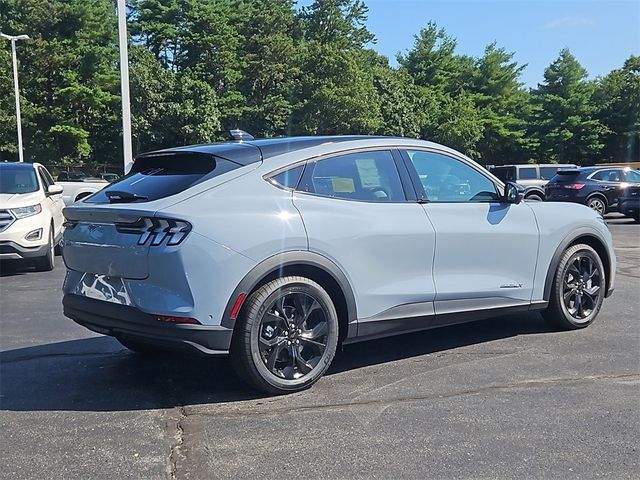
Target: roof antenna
{"points": [[240, 135]]}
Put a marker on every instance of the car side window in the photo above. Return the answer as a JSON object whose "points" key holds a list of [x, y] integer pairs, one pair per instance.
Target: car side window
{"points": [[365, 176], [288, 178], [527, 173], [632, 176], [446, 179], [47, 176], [43, 178], [608, 175], [547, 173]]}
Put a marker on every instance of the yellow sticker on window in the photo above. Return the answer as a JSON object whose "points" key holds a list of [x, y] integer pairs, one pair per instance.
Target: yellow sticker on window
{"points": [[343, 185]]}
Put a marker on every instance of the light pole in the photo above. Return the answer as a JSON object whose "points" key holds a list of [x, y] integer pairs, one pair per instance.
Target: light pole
{"points": [[124, 87], [13, 39]]}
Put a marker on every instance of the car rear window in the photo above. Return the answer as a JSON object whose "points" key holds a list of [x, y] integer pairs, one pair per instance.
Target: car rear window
{"points": [[162, 175], [565, 176]]}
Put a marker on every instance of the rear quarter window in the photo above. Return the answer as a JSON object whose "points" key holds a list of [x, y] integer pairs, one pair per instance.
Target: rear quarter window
{"points": [[161, 175]]}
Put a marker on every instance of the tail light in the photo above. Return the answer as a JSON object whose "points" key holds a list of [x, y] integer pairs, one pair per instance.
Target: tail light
{"points": [[574, 186], [156, 230]]}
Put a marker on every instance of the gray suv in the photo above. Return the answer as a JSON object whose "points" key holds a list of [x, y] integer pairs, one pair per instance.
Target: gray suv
{"points": [[532, 177], [277, 251]]}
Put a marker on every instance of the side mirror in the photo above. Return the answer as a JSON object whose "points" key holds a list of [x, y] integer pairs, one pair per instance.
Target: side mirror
{"points": [[513, 193], [55, 189]]}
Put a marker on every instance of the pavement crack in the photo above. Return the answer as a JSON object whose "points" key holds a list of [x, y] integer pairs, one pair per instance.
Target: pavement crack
{"points": [[175, 450], [410, 399]]}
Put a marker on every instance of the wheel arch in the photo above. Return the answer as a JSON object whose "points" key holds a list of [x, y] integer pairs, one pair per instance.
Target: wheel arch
{"points": [[587, 237], [601, 196], [535, 191], [307, 264], [83, 194]]}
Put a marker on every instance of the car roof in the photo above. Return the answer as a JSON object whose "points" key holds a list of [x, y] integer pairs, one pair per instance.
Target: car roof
{"points": [[247, 152], [536, 165], [17, 165]]}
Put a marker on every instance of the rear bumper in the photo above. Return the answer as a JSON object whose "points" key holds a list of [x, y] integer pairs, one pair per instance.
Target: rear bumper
{"points": [[129, 322], [12, 251]]}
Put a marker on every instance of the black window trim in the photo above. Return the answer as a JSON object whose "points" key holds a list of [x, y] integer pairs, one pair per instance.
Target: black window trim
{"points": [[406, 188], [417, 184]]}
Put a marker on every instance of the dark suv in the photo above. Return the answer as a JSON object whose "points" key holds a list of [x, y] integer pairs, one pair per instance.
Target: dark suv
{"points": [[597, 187]]}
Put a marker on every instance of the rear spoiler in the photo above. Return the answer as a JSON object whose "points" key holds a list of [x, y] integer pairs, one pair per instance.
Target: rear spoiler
{"points": [[568, 171]]}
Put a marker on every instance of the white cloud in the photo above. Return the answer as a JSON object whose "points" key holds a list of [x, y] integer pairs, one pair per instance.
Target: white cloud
{"points": [[569, 22]]}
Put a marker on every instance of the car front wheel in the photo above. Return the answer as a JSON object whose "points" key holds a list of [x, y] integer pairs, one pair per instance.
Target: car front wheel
{"points": [[46, 263], [286, 336], [578, 289]]}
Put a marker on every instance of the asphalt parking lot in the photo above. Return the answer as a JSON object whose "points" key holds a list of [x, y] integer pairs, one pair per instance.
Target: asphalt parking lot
{"points": [[501, 398]]}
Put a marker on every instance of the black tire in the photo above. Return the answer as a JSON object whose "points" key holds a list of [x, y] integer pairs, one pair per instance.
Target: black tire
{"points": [[286, 336], [139, 347], [575, 299], [597, 204], [46, 263], [535, 197]]}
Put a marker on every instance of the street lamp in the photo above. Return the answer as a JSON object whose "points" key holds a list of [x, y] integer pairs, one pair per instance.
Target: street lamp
{"points": [[124, 86], [13, 39]]}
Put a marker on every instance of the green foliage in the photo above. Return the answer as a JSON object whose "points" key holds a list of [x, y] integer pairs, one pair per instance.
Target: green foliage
{"points": [[199, 68], [618, 96], [565, 122]]}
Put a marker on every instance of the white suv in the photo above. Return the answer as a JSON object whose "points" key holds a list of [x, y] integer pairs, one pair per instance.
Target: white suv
{"points": [[30, 214]]}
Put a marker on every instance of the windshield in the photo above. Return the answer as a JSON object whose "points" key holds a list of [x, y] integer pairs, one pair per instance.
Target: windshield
{"points": [[18, 180]]}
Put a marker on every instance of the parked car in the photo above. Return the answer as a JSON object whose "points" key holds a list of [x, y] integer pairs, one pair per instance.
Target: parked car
{"points": [[277, 251], [629, 202], [597, 187], [30, 214], [78, 186], [532, 177]]}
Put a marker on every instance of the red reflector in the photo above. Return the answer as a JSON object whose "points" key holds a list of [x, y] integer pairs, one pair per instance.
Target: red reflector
{"points": [[168, 319], [236, 306], [574, 186]]}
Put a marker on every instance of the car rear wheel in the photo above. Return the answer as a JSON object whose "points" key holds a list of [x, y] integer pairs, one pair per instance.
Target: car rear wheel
{"points": [[597, 204], [578, 289], [535, 197], [46, 263], [286, 336]]}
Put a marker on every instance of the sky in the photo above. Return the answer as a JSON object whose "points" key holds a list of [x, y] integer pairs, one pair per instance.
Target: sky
{"points": [[601, 34]]}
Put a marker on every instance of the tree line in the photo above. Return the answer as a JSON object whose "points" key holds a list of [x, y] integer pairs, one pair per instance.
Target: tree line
{"points": [[199, 68]]}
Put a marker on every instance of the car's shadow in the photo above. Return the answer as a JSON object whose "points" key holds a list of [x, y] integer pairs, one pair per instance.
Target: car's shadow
{"points": [[97, 374], [10, 268]]}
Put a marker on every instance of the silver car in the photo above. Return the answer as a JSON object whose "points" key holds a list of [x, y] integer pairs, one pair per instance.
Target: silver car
{"points": [[277, 251]]}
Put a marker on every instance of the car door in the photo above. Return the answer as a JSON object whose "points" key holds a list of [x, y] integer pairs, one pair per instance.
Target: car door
{"points": [[609, 182], [486, 250], [54, 202], [358, 213]]}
